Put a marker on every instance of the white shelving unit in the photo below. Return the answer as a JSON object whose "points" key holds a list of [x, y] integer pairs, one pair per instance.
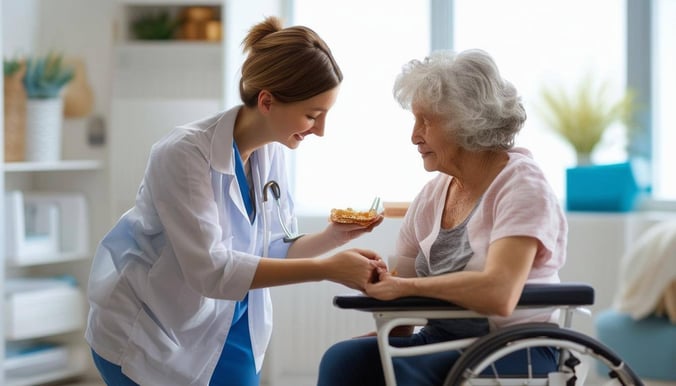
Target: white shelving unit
{"points": [[54, 310]]}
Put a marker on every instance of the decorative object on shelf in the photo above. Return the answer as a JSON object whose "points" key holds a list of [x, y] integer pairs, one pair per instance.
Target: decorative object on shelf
{"points": [[200, 23], [39, 307], [44, 80], [583, 117], [32, 355], [44, 227], [15, 110], [78, 97], [603, 188], [155, 26]]}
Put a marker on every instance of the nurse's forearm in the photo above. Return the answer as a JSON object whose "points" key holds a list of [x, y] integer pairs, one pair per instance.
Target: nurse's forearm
{"points": [[275, 272], [313, 245]]}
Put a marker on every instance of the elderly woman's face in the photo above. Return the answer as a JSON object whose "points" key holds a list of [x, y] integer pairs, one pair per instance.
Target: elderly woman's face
{"points": [[438, 151]]}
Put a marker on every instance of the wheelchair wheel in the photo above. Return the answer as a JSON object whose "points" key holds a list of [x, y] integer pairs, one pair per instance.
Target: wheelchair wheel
{"points": [[476, 366]]}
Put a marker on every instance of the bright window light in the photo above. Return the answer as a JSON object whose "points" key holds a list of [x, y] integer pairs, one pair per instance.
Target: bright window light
{"points": [[664, 94], [550, 43], [366, 150]]}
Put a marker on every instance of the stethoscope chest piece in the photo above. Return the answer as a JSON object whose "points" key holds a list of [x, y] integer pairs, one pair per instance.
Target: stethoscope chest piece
{"points": [[273, 186]]}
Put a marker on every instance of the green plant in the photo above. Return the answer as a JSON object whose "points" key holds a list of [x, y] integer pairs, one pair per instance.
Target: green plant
{"points": [[583, 116], [159, 26], [46, 76], [11, 66]]}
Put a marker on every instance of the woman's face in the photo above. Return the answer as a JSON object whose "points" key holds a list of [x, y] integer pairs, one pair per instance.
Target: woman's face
{"points": [[294, 121], [438, 151]]}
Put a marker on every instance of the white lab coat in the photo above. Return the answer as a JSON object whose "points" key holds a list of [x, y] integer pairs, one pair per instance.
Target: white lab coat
{"points": [[165, 279]]}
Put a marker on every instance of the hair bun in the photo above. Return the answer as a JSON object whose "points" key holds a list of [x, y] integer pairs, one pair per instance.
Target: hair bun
{"points": [[270, 25]]}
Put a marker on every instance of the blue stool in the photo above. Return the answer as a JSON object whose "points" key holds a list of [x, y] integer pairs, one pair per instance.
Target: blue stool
{"points": [[647, 345]]}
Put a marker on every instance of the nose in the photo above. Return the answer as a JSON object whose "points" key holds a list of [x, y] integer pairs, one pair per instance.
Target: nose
{"points": [[318, 128], [416, 134]]}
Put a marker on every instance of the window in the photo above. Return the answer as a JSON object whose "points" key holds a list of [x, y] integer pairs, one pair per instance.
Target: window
{"points": [[535, 44], [664, 93], [366, 150]]}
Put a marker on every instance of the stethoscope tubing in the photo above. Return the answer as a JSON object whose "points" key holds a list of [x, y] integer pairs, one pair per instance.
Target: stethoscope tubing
{"points": [[273, 186]]}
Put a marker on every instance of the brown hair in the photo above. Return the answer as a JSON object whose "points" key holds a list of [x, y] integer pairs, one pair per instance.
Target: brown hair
{"points": [[292, 63]]}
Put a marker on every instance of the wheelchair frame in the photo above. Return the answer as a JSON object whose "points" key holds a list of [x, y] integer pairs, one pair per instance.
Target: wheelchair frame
{"points": [[478, 352]]}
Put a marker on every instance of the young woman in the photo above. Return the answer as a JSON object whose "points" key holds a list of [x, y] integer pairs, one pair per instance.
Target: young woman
{"points": [[178, 288]]}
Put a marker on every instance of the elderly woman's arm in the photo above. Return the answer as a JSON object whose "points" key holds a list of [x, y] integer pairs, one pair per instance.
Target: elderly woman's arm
{"points": [[493, 291]]}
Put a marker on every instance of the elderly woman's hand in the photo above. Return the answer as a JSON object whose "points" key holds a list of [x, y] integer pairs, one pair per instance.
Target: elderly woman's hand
{"points": [[387, 286]]}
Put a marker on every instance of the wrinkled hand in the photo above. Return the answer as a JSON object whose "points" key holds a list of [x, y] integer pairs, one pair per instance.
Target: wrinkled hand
{"points": [[354, 268], [386, 287], [344, 233]]}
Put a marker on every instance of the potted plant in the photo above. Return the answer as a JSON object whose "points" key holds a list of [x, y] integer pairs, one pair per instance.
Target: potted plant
{"points": [[155, 26], [15, 110], [583, 116], [44, 80]]}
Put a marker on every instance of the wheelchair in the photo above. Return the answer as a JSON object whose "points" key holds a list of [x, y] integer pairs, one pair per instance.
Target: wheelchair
{"points": [[577, 353]]}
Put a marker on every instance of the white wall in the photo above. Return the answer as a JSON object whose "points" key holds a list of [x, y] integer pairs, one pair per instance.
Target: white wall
{"points": [[19, 27]]}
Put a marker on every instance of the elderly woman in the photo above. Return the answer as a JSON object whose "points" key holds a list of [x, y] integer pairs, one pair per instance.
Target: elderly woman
{"points": [[487, 224]]}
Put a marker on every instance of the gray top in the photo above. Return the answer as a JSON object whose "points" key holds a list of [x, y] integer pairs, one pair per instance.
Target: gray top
{"points": [[450, 252]]}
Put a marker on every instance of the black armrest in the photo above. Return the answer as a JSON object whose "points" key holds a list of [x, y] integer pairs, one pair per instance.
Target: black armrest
{"points": [[533, 295]]}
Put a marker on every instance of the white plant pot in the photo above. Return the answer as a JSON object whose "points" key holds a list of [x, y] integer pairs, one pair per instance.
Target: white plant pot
{"points": [[44, 120]]}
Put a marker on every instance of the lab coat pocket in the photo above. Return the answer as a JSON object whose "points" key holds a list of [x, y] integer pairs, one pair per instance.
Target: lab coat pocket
{"points": [[155, 346], [150, 336]]}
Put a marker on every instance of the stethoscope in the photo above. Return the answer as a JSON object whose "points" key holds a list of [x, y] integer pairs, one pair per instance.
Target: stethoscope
{"points": [[273, 186]]}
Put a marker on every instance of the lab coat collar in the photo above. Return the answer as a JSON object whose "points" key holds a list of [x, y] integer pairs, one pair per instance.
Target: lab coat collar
{"points": [[221, 152]]}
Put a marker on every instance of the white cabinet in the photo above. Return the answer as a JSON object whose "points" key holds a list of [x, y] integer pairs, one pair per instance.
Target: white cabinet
{"points": [[46, 258]]}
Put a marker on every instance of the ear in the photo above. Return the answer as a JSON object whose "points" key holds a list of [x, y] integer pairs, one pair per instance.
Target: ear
{"points": [[265, 100]]}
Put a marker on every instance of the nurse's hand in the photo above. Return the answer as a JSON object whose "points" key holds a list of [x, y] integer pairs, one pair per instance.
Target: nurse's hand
{"points": [[331, 237], [343, 233], [353, 268]]}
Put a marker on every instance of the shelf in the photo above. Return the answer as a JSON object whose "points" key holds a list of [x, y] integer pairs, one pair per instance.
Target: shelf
{"points": [[171, 2], [41, 307], [77, 358], [173, 44], [47, 259], [76, 165]]}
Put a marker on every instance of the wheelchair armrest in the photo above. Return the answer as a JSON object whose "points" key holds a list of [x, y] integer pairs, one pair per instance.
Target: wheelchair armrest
{"points": [[533, 295]]}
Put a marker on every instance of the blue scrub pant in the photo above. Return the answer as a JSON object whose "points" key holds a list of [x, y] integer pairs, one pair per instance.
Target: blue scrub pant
{"points": [[226, 373], [356, 362], [111, 373], [235, 367]]}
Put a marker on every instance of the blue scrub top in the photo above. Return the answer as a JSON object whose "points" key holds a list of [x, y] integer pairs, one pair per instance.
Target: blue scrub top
{"points": [[236, 366]]}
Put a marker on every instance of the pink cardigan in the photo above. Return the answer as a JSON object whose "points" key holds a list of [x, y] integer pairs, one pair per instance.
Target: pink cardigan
{"points": [[519, 202]]}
